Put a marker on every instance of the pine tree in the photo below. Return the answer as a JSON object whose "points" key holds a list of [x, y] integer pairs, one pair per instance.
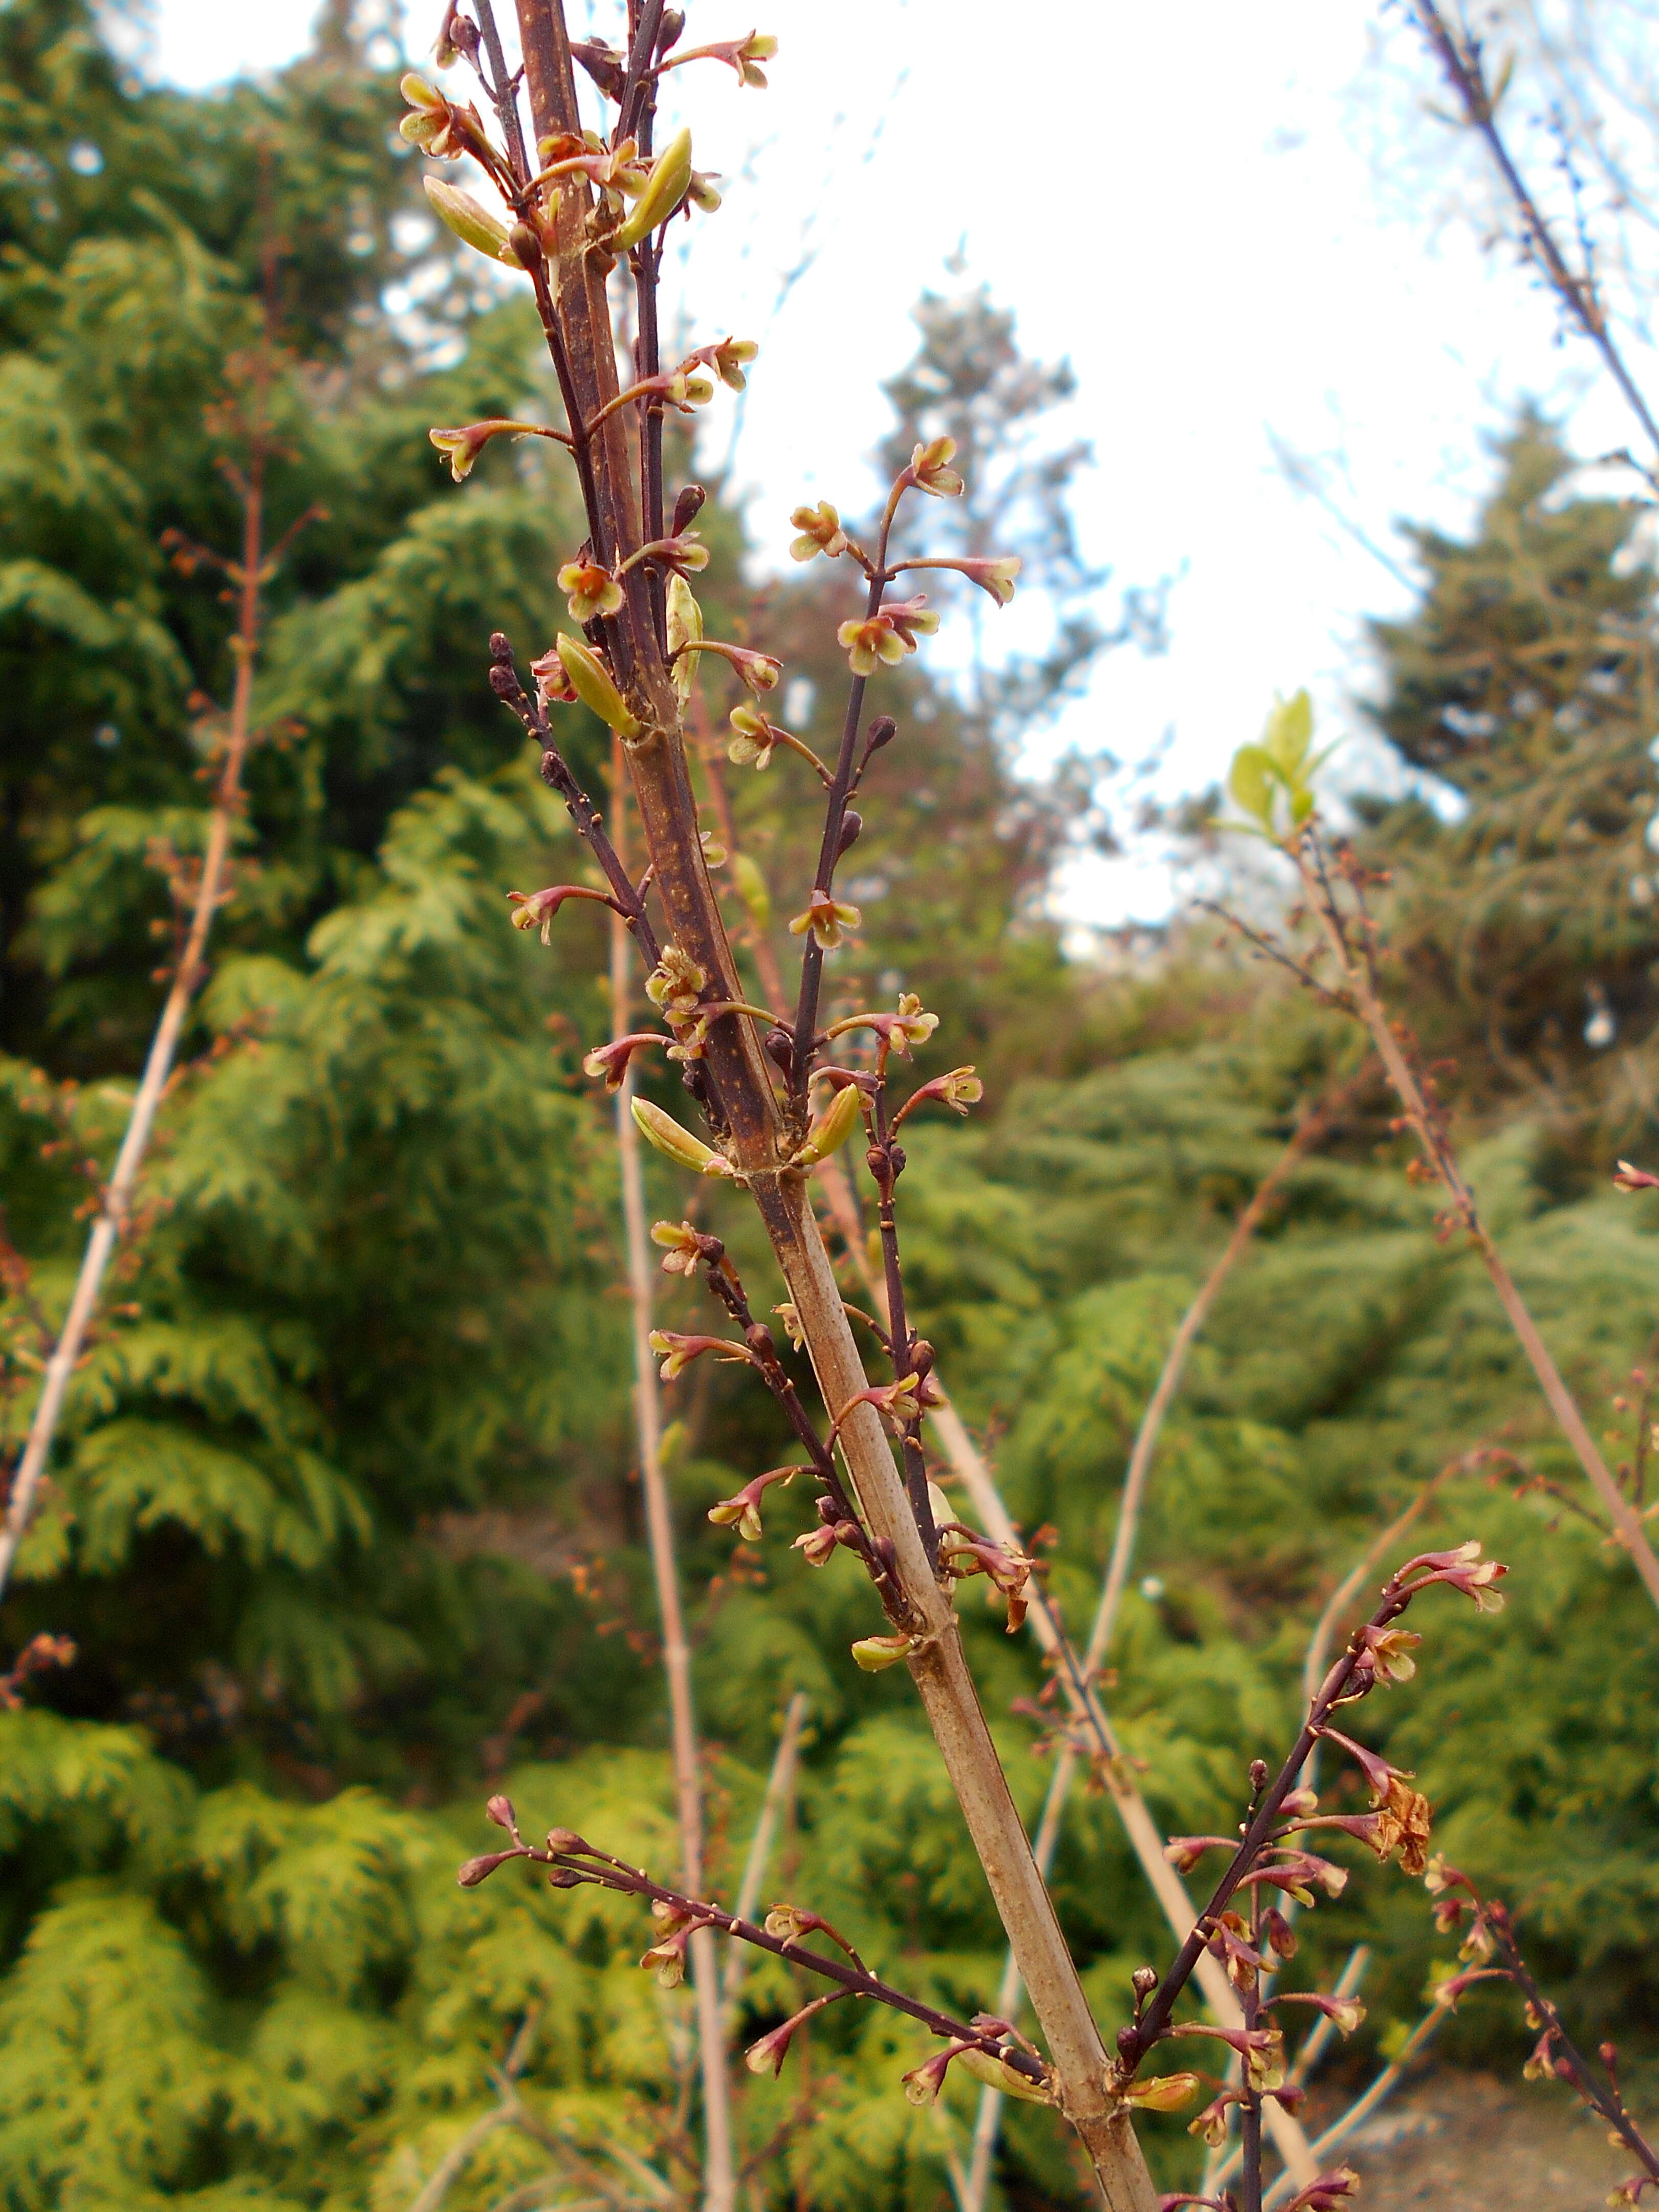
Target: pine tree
{"points": [[1523, 685]]}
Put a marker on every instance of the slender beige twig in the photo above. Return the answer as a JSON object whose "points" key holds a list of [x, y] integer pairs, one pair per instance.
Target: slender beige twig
{"points": [[249, 575], [774, 1810], [505, 2112], [1311, 1126], [1355, 963], [718, 2178], [1317, 1658]]}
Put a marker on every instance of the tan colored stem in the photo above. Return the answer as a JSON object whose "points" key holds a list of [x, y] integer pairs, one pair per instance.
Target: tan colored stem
{"points": [[1626, 1522], [774, 1808], [113, 1214], [720, 2184], [1174, 1361]]}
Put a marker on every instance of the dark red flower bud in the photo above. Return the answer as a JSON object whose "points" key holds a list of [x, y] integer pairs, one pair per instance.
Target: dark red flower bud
{"points": [[851, 829], [687, 507], [499, 1810], [502, 680], [526, 244], [1143, 1981], [478, 1869], [1258, 1774], [780, 1048], [501, 646], [883, 731], [564, 1839]]}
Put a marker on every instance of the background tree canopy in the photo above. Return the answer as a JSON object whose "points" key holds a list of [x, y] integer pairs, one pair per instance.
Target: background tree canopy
{"points": [[343, 1522]]}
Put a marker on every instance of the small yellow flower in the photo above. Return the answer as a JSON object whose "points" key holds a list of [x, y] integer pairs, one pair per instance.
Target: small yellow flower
{"points": [[820, 532], [827, 919], [929, 469], [591, 590]]}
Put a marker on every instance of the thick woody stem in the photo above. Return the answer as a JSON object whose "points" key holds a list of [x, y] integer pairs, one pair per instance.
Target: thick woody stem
{"points": [[1356, 974], [742, 1096], [719, 2184]]}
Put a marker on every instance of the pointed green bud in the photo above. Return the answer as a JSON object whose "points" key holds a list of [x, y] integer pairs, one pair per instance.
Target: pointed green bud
{"points": [[663, 1132], [472, 222], [836, 1124], [671, 179], [684, 628], [590, 679]]}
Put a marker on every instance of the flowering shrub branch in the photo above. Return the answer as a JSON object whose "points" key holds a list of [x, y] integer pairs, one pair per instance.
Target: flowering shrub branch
{"points": [[1489, 1952]]}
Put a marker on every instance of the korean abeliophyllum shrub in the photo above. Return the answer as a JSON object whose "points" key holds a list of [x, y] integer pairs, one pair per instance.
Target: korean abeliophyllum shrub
{"points": [[583, 211]]}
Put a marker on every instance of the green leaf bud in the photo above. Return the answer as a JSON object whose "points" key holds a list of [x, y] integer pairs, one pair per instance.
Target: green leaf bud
{"points": [[836, 1124], [671, 179], [590, 679], [472, 222], [663, 1132]]}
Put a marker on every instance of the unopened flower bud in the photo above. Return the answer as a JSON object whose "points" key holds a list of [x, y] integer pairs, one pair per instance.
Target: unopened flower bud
{"points": [[688, 506], [883, 731], [873, 1653], [851, 829], [564, 1839], [526, 246], [780, 1048], [478, 1869], [499, 1810], [1143, 1981], [1258, 1774]]}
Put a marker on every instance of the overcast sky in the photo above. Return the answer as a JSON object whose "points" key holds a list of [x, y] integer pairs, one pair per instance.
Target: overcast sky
{"points": [[1183, 200]]}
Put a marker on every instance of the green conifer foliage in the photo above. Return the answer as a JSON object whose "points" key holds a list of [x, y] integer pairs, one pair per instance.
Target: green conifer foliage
{"points": [[1525, 682], [343, 1523]]}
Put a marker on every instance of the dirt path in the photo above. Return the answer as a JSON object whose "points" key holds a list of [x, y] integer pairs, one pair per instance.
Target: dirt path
{"points": [[1470, 2142]]}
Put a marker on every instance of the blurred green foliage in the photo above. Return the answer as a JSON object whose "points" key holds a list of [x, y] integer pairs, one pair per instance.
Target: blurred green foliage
{"points": [[343, 1520]]}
